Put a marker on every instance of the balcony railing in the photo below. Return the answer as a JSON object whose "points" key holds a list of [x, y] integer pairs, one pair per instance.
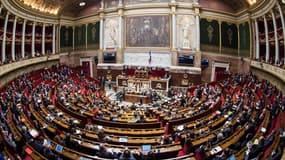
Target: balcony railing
{"points": [[23, 63], [274, 70]]}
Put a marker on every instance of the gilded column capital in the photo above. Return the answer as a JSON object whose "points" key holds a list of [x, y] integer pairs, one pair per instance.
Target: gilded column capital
{"points": [[173, 4], [102, 15], [197, 11], [219, 21], [121, 12]]}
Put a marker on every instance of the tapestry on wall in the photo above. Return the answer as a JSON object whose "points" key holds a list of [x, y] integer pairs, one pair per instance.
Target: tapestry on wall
{"points": [[244, 35], [93, 35], [229, 38], [80, 37], [210, 35], [66, 35], [148, 31]]}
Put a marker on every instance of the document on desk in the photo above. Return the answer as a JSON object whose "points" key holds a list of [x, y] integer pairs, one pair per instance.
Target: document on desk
{"points": [[85, 158], [216, 150]]}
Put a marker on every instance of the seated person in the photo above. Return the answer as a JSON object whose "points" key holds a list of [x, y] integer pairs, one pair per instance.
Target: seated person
{"points": [[165, 140], [226, 155], [276, 155], [103, 153], [200, 153], [126, 155]]}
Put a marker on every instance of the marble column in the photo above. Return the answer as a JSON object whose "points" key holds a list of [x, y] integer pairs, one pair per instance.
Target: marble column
{"points": [[220, 39], [238, 34], [120, 40], [73, 36], [43, 39], [53, 38], [33, 39], [251, 39], [101, 42], [102, 4], [86, 35], [120, 27], [257, 54], [57, 47], [4, 38], [283, 26], [14, 38], [276, 37], [197, 17], [174, 29], [120, 32], [266, 39], [23, 38]]}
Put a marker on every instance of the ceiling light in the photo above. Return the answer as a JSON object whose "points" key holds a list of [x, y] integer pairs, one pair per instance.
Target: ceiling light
{"points": [[251, 2], [81, 4]]}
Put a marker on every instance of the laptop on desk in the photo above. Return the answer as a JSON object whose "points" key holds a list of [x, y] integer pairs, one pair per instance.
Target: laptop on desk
{"points": [[123, 139], [59, 148]]}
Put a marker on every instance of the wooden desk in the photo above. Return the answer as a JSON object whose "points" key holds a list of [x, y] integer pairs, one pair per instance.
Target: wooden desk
{"points": [[136, 98]]}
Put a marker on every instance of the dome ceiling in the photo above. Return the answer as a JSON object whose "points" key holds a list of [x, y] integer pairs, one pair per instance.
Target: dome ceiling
{"points": [[73, 9]]}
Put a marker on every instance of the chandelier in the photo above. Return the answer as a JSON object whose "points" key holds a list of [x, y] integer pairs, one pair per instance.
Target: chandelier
{"points": [[43, 6]]}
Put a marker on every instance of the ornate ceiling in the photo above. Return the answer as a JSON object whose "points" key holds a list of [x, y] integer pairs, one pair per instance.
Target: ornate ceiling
{"points": [[72, 8]]}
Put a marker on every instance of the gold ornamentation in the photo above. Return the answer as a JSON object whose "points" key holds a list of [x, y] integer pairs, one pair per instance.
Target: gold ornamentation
{"points": [[93, 31], [66, 36], [210, 30], [184, 82], [243, 37], [79, 35], [230, 36], [158, 86]]}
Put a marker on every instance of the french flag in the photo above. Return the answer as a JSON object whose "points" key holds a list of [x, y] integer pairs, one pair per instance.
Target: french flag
{"points": [[149, 59]]}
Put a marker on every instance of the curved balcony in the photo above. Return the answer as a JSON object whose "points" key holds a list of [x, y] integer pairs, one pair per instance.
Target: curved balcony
{"points": [[27, 62], [274, 70]]}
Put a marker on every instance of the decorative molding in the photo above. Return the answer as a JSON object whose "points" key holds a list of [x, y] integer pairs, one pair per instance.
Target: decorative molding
{"points": [[262, 8], [181, 69], [21, 12]]}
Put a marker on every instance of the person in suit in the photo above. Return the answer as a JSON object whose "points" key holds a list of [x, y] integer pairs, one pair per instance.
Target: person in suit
{"points": [[127, 155], [103, 153]]}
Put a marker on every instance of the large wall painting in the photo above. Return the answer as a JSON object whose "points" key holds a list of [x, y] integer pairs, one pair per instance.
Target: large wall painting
{"points": [[148, 31], [186, 32], [111, 32]]}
